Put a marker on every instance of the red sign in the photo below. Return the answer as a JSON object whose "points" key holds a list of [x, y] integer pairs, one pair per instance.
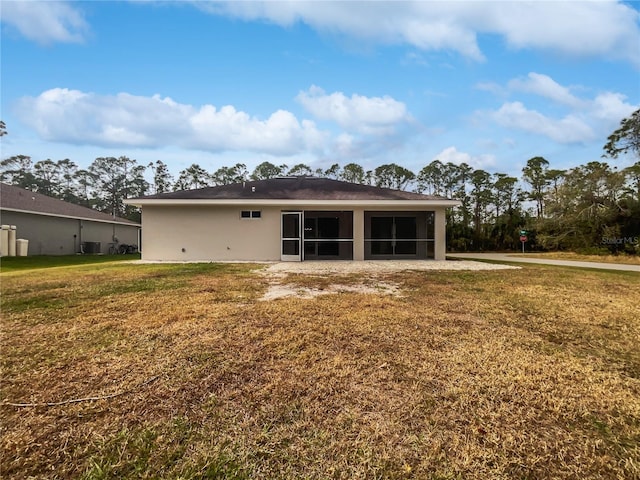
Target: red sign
{"points": [[523, 238]]}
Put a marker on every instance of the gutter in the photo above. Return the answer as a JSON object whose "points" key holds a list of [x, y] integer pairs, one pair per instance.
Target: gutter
{"points": [[72, 217]]}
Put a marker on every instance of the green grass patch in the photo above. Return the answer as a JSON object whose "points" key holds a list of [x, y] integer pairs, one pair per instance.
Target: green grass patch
{"points": [[13, 264]]}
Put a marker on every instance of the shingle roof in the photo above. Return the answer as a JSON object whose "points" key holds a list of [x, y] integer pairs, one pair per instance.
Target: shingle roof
{"points": [[15, 198], [292, 188]]}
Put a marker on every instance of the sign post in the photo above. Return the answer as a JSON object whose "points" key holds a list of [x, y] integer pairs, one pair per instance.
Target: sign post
{"points": [[523, 238]]}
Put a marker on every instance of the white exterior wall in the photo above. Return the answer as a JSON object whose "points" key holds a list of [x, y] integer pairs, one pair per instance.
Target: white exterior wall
{"points": [[218, 233]]}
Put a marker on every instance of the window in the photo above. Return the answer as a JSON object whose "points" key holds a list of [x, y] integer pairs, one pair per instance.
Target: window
{"points": [[250, 214]]}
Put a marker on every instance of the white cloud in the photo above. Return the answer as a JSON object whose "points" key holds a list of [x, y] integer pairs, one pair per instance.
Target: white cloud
{"points": [[569, 129], [611, 108], [583, 120], [229, 129], [545, 86], [607, 29], [366, 125], [344, 145], [369, 115], [45, 22], [451, 154], [76, 117], [604, 29]]}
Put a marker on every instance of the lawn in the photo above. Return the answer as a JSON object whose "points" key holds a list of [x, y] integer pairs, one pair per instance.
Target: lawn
{"points": [[182, 371], [620, 259]]}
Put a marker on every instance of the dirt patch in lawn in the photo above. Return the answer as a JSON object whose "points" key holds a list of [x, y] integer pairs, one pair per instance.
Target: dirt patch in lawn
{"points": [[278, 290], [377, 267], [291, 279]]}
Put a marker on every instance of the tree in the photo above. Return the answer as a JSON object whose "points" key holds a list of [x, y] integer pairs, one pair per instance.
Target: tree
{"points": [[115, 179], [162, 178], [393, 176], [86, 180], [506, 194], [47, 176], [300, 170], [267, 170], [555, 177], [430, 178], [67, 189], [3, 129], [352, 173], [228, 175], [18, 171], [192, 177], [536, 174], [588, 204], [108, 185], [626, 138], [332, 172], [632, 175], [481, 196], [462, 175]]}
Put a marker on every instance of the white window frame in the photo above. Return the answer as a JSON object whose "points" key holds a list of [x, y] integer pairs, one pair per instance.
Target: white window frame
{"points": [[253, 214]]}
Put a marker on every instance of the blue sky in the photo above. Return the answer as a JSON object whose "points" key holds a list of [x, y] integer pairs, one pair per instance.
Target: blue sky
{"points": [[491, 84]]}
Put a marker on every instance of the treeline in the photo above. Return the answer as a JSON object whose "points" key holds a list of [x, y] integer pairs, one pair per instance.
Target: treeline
{"points": [[561, 209], [592, 206]]}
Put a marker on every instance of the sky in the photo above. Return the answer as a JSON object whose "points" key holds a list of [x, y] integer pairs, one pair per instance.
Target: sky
{"points": [[488, 83]]}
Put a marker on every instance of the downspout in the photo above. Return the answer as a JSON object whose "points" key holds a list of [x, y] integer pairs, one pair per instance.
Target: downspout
{"points": [[80, 226]]}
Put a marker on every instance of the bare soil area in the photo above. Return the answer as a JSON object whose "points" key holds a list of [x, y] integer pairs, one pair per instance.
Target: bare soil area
{"points": [[372, 269]]}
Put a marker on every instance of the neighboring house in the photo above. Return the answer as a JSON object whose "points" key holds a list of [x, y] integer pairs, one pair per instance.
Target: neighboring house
{"points": [[292, 219], [55, 227]]}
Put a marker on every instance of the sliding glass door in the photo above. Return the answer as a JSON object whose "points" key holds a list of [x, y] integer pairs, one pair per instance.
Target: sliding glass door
{"points": [[328, 235], [399, 235]]}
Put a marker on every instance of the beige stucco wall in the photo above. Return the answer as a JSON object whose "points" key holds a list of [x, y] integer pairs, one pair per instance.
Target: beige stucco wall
{"points": [[208, 233], [55, 235]]}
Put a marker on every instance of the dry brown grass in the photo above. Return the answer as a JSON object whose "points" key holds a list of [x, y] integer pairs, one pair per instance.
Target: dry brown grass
{"points": [[531, 373], [619, 259]]}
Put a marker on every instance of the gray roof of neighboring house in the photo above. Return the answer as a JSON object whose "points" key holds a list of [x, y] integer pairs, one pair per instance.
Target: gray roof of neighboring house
{"points": [[19, 199], [291, 188]]}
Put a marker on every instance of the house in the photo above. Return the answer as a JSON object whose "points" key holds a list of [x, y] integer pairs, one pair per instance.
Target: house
{"points": [[292, 219], [55, 227]]}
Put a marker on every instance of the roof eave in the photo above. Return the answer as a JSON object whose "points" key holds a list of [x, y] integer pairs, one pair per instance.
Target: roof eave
{"points": [[141, 202], [72, 217]]}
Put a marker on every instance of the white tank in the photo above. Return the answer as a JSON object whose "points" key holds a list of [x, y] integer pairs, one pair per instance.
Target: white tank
{"points": [[12, 241], [22, 247], [4, 240]]}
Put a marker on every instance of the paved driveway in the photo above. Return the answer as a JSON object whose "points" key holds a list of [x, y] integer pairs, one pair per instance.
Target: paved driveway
{"points": [[505, 257]]}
